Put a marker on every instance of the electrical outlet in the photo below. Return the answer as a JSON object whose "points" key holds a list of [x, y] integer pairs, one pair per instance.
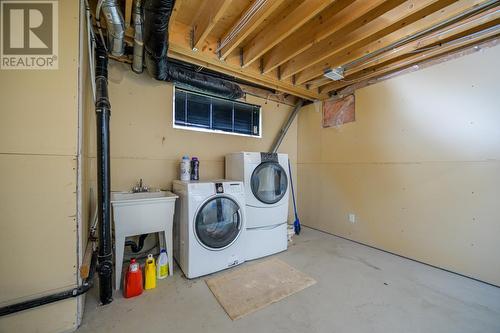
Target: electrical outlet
{"points": [[352, 217]]}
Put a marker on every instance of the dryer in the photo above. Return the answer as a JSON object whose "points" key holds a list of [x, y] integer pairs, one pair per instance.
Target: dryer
{"points": [[209, 226], [266, 180]]}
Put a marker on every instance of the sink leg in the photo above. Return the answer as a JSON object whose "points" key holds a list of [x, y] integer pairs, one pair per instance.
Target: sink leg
{"points": [[119, 249], [165, 239], [168, 238]]}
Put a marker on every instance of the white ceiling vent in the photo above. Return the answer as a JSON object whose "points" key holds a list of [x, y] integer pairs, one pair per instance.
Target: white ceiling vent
{"points": [[335, 74]]}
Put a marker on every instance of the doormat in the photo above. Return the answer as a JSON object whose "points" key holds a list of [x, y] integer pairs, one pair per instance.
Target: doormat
{"points": [[248, 289]]}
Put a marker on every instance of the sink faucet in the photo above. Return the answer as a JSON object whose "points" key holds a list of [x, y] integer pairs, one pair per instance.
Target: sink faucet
{"points": [[140, 188]]}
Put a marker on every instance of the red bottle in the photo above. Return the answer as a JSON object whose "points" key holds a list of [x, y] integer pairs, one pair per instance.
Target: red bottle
{"points": [[133, 280]]}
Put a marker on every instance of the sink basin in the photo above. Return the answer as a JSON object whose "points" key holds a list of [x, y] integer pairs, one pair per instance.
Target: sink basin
{"points": [[142, 213], [130, 196]]}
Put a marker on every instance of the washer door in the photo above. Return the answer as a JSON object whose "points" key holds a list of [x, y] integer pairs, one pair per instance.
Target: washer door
{"points": [[218, 222], [269, 182]]}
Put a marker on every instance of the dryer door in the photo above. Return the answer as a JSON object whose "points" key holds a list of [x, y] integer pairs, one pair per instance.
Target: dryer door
{"points": [[269, 182], [218, 223]]}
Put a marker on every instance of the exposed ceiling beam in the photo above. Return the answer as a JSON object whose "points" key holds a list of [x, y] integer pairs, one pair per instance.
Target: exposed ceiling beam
{"points": [[470, 26], [179, 48], [343, 14], [275, 33], [175, 12], [428, 16], [128, 13], [208, 16], [466, 50], [415, 59], [254, 21], [327, 46]]}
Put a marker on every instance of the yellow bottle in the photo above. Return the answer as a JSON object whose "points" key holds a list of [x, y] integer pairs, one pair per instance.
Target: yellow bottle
{"points": [[150, 273]]}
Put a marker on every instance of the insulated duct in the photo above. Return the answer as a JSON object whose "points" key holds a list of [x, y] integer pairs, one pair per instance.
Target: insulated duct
{"points": [[103, 110], [138, 60], [201, 82], [115, 25], [156, 19]]}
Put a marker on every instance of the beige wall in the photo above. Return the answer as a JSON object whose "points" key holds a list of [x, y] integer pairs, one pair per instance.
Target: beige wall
{"points": [[419, 167], [145, 145], [38, 150]]}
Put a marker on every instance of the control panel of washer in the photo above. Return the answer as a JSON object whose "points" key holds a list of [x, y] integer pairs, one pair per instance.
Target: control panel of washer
{"points": [[219, 188]]}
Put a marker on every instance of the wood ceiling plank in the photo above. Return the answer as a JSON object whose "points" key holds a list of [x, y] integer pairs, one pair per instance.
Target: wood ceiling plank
{"points": [[180, 49], [275, 33], [411, 60], [242, 75], [479, 21], [208, 16], [422, 19], [175, 13], [331, 20], [327, 46], [128, 13], [469, 26], [267, 8]]}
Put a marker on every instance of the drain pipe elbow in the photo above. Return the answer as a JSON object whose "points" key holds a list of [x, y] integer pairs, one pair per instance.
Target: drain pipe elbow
{"points": [[115, 26]]}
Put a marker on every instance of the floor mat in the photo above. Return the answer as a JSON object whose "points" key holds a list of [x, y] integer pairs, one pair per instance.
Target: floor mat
{"points": [[250, 288]]}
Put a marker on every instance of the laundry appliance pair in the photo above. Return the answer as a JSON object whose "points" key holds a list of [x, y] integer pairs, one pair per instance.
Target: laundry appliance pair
{"points": [[221, 223]]}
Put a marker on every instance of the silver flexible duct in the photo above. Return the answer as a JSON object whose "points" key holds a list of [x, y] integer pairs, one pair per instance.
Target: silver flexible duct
{"points": [[137, 19], [115, 25]]}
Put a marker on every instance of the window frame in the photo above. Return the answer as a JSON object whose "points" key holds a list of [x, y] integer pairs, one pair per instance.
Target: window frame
{"points": [[210, 130]]}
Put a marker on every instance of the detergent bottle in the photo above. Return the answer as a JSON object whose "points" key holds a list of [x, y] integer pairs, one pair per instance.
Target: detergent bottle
{"points": [[185, 168], [162, 265], [150, 273], [133, 280]]}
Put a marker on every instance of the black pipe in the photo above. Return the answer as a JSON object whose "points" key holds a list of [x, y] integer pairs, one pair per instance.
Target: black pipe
{"points": [[193, 80], [103, 110], [156, 18], [137, 247], [86, 285]]}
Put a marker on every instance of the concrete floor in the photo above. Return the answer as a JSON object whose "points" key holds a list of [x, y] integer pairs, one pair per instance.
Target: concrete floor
{"points": [[359, 289]]}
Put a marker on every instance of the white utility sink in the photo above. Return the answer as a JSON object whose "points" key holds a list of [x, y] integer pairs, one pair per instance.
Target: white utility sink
{"points": [[142, 213], [127, 196]]}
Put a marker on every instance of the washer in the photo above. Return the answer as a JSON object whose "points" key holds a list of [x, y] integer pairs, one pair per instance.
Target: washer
{"points": [[209, 226], [266, 180]]}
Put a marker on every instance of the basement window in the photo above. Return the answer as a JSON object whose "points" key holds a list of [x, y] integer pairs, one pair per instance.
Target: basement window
{"points": [[200, 112]]}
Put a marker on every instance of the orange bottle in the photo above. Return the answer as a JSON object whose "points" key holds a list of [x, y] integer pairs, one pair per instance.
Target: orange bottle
{"points": [[133, 280]]}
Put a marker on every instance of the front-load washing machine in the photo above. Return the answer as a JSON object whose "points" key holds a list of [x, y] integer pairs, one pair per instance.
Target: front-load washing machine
{"points": [[209, 226], [265, 176]]}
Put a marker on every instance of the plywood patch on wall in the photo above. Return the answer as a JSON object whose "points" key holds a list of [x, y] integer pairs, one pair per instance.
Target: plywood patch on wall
{"points": [[339, 111]]}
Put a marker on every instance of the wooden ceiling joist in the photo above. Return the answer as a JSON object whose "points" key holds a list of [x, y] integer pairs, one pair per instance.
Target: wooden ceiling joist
{"points": [[343, 15], [237, 34], [287, 45], [390, 22], [274, 34], [409, 25], [472, 25], [210, 13], [376, 17], [413, 60], [179, 48], [175, 13]]}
